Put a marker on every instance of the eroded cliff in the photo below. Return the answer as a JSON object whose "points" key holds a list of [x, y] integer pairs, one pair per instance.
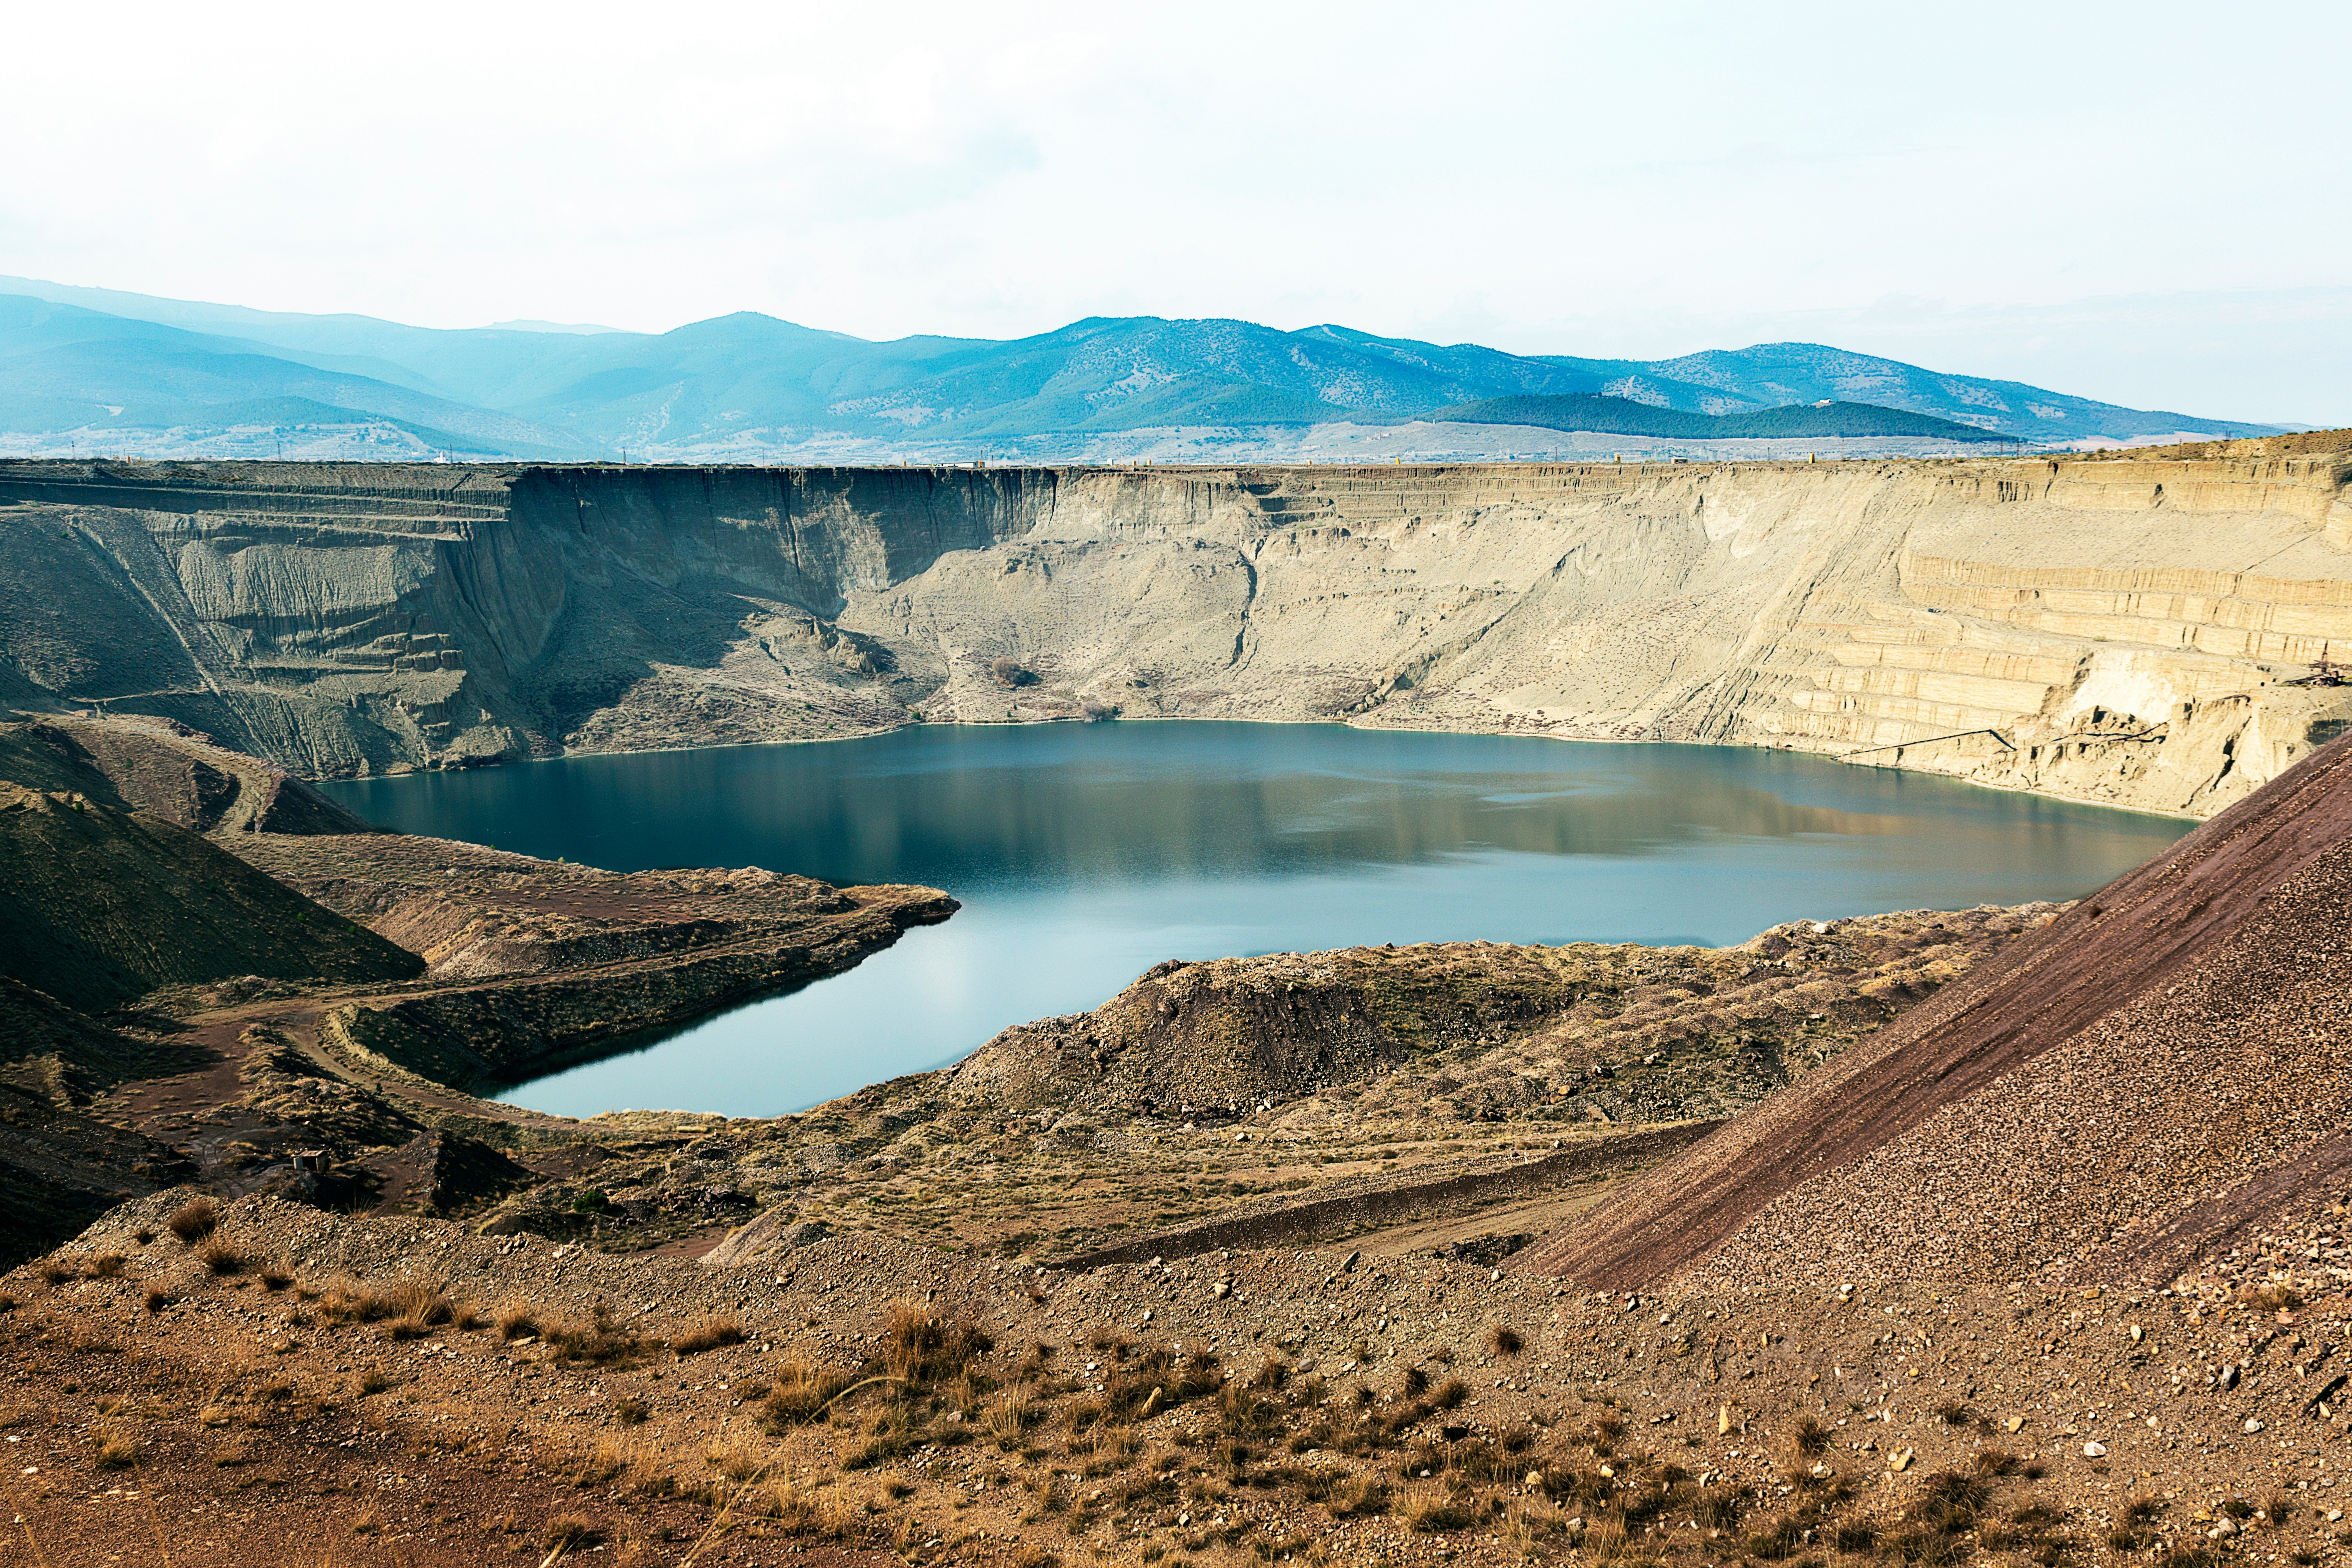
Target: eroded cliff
{"points": [[2153, 631]]}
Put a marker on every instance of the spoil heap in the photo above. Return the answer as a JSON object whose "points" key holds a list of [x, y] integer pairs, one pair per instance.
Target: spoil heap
{"points": [[2169, 1057]]}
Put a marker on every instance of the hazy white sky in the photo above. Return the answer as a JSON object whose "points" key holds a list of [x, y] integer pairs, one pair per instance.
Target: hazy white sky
{"points": [[2143, 203]]}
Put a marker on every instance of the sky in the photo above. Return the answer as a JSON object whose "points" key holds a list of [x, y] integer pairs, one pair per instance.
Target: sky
{"points": [[2138, 202]]}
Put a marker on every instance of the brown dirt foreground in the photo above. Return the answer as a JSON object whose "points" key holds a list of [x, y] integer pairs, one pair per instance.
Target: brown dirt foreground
{"points": [[295, 1387]]}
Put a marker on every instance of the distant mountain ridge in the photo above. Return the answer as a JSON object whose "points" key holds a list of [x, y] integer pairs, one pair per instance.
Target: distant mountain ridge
{"points": [[1611, 416], [100, 364]]}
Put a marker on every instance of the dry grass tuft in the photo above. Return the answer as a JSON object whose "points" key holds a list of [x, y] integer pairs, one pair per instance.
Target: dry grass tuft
{"points": [[1504, 1340], [157, 1299], [1010, 1419], [411, 1308], [221, 1259], [599, 1340], [517, 1321], [611, 1457], [106, 1266], [922, 1349], [1432, 1516], [710, 1335], [801, 1394], [117, 1449], [194, 1220], [735, 1462], [1359, 1497], [569, 1533]]}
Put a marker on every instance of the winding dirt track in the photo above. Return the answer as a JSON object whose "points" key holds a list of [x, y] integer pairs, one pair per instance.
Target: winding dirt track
{"points": [[2122, 945]]}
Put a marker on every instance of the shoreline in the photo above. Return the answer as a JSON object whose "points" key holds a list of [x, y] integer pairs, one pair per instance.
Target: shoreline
{"points": [[1838, 757]]}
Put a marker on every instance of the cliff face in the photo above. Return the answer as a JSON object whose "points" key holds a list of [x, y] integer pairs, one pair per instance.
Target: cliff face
{"points": [[2126, 630]]}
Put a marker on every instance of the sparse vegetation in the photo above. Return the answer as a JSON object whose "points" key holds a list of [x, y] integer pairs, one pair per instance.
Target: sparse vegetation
{"points": [[194, 1220], [710, 1335], [221, 1259]]}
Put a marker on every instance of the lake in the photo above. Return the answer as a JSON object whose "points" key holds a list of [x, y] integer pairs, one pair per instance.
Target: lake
{"points": [[1083, 854]]}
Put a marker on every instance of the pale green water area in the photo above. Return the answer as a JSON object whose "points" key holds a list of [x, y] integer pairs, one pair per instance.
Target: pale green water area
{"points": [[1086, 853]]}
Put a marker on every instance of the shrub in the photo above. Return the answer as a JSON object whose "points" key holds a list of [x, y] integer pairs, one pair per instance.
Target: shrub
{"points": [[194, 1220], [1009, 672], [1504, 1340], [631, 1411]]}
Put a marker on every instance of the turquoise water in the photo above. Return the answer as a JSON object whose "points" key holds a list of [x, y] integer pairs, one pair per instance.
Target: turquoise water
{"points": [[1084, 854]]}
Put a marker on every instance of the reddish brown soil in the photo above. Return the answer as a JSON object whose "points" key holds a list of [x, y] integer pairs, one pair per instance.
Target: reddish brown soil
{"points": [[2124, 945]]}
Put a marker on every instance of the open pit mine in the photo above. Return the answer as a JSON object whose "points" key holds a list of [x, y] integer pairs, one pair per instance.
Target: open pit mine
{"points": [[1994, 1236], [2157, 630]]}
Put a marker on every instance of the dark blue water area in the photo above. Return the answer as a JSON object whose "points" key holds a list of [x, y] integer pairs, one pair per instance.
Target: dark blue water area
{"points": [[1086, 853]]}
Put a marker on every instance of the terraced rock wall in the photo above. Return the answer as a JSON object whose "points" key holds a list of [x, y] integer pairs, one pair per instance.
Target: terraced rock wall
{"points": [[2144, 631]]}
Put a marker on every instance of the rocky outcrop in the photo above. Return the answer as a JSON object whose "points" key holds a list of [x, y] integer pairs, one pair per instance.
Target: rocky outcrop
{"points": [[2158, 632]]}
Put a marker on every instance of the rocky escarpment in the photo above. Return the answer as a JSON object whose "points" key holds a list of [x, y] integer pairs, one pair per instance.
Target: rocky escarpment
{"points": [[2159, 632]]}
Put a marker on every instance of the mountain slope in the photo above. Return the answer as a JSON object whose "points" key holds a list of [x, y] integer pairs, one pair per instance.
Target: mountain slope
{"points": [[748, 383], [99, 906], [2175, 1040], [1773, 374], [1623, 416], [70, 369]]}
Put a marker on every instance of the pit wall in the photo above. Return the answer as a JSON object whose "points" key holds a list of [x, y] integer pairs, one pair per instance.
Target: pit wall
{"points": [[2129, 631]]}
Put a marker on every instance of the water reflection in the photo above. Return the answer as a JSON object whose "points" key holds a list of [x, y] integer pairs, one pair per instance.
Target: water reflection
{"points": [[1083, 854]]}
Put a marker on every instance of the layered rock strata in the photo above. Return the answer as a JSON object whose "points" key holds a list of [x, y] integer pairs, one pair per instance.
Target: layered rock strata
{"points": [[2152, 631]]}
